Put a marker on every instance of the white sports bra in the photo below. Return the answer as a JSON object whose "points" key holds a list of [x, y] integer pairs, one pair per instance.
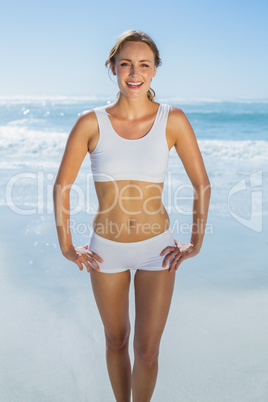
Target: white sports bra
{"points": [[143, 159]]}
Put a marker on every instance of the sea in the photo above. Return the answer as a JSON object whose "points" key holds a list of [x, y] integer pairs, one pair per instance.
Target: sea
{"points": [[214, 346], [232, 137]]}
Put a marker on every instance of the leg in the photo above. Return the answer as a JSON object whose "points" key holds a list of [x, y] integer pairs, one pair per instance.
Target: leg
{"points": [[111, 293], [153, 294]]}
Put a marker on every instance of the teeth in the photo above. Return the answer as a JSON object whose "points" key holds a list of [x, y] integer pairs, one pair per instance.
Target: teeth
{"points": [[134, 84]]}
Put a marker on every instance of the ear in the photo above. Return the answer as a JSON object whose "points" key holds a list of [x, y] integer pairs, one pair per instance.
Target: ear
{"points": [[154, 71], [113, 69]]}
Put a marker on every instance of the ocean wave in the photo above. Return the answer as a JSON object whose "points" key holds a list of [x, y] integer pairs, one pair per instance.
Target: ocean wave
{"points": [[26, 141], [26, 121], [233, 150]]}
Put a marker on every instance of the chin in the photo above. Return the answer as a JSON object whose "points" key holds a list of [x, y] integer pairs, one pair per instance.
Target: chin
{"points": [[134, 95]]}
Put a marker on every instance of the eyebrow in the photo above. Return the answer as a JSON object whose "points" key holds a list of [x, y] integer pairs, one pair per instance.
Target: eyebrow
{"points": [[148, 61]]}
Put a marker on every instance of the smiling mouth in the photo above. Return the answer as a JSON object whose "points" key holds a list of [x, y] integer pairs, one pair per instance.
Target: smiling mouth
{"points": [[134, 85]]}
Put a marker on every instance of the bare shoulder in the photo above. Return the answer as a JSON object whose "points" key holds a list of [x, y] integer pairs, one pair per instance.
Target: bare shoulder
{"points": [[176, 117], [87, 120], [178, 125], [86, 128]]}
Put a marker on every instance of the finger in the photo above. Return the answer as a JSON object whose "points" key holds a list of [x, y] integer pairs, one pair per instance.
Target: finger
{"points": [[80, 266], [87, 265], [176, 262], [94, 263], [166, 249], [179, 262], [169, 257], [95, 255]]}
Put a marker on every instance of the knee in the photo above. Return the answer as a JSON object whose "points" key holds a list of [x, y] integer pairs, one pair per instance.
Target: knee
{"points": [[117, 341], [147, 354]]}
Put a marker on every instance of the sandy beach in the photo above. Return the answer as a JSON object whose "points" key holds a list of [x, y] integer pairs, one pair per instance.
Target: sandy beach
{"points": [[214, 346]]}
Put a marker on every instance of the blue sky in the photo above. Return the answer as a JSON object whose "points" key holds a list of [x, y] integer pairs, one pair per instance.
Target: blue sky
{"points": [[209, 49]]}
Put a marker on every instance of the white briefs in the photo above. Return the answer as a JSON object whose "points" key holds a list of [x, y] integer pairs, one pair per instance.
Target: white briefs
{"points": [[120, 256]]}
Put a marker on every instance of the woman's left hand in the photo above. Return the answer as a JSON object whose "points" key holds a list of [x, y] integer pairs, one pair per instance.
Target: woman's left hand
{"points": [[178, 254]]}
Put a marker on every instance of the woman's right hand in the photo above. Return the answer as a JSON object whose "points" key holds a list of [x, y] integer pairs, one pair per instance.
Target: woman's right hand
{"points": [[81, 255]]}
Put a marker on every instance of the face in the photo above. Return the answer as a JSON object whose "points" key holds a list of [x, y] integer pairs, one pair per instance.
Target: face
{"points": [[134, 68]]}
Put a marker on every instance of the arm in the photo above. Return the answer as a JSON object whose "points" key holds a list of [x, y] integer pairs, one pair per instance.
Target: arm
{"points": [[187, 149], [81, 137]]}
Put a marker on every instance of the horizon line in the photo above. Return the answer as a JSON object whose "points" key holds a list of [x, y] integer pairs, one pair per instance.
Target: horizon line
{"points": [[109, 97]]}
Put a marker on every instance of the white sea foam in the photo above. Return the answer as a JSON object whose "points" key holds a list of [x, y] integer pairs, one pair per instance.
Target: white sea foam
{"points": [[22, 140], [35, 143], [246, 150], [16, 137], [235, 150]]}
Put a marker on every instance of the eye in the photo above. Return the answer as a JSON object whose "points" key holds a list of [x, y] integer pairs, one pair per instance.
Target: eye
{"points": [[144, 65], [124, 64]]}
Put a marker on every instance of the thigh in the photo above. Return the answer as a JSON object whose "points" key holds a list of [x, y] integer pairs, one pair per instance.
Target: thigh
{"points": [[111, 292], [153, 294]]}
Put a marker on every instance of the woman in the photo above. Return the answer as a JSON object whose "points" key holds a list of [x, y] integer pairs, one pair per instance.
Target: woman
{"points": [[129, 143]]}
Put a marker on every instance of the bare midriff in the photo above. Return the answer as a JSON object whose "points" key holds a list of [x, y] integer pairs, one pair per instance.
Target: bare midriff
{"points": [[130, 210]]}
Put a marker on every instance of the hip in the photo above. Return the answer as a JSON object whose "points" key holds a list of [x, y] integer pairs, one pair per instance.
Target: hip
{"points": [[120, 256]]}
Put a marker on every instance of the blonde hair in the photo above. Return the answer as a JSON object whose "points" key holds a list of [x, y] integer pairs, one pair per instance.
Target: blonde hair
{"points": [[134, 36]]}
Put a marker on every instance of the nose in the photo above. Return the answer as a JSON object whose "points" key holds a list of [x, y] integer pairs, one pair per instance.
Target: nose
{"points": [[132, 71]]}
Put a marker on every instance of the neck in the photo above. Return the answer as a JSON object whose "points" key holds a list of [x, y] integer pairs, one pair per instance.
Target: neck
{"points": [[133, 108]]}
